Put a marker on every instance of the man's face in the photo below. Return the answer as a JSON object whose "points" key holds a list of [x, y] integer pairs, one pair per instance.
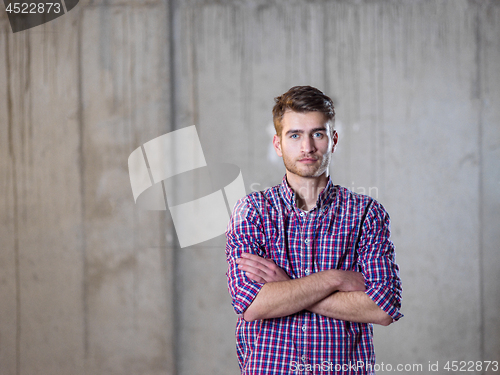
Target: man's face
{"points": [[305, 144]]}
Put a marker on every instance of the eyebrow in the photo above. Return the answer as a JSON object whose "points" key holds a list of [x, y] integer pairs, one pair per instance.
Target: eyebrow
{"points": [[299, 131]]}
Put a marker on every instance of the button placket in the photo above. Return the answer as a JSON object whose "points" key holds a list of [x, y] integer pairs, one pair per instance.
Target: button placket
{"points": [[307, 225]]}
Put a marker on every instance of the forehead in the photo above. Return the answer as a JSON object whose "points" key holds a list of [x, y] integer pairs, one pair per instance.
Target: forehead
{"points": [[304, 120]]}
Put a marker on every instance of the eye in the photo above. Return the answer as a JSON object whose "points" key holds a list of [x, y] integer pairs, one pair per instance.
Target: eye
{"points": [[294, 136], [318, 135]]}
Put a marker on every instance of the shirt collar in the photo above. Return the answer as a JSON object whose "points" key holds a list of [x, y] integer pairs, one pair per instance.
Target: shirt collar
{"points": [[326, 196]]}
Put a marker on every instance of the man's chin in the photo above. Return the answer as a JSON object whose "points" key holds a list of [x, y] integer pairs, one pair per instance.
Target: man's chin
{"points": [[310, 173]]}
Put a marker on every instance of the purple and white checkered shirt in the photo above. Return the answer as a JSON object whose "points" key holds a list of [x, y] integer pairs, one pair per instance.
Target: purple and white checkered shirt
{"points": [[345, 231]]}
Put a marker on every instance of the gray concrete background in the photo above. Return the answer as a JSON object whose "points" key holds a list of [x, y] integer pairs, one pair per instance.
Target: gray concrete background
{"points": [[89, 284]]}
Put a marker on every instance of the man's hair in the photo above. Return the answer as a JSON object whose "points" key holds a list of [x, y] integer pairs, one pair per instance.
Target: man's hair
{"points": [[302, 99]]}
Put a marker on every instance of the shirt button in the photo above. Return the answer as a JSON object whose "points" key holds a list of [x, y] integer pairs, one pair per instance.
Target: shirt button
{"points": [[303, 358], [302, 214], [307, 271], [306, 240], [304, 328]]}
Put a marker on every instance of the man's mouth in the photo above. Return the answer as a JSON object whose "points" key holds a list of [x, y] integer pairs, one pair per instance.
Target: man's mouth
{"points": [[308, 160]]}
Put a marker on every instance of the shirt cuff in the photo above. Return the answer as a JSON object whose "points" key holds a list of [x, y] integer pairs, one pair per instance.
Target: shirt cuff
{"points": [[245, 296], [386, 300]]}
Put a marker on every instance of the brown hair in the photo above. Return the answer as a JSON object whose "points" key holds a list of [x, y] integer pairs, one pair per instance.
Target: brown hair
{"points": [[302, 99]]}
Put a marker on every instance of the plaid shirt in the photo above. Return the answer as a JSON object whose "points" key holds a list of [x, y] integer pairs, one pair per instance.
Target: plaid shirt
{"points": [[345, 231]]}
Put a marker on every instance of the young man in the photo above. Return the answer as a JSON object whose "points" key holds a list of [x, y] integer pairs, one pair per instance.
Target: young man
{"points": [[310, 264]]}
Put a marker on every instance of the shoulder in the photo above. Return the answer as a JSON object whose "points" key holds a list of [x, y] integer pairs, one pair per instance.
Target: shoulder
{"points": [[254, 204], [359, 204]]}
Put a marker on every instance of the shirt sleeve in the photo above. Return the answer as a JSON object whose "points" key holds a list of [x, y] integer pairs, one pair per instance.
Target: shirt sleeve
{"points": [[244, 234], [377, 259]]}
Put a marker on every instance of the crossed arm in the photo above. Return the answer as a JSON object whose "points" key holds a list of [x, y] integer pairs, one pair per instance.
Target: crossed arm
{"points": [[334, 293]]}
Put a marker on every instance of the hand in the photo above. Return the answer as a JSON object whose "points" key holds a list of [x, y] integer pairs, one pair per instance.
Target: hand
{"points": [[350, 281], [260, 269]]}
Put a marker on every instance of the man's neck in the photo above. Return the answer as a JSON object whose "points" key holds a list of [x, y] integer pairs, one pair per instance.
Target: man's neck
{"points": [[307, 189]]}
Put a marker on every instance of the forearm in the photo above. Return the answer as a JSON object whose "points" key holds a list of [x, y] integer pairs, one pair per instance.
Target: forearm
{"points": [[351, 306], [282, 298]]}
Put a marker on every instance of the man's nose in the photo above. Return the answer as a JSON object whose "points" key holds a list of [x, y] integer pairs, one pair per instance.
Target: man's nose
{"points": [[308, 145]]}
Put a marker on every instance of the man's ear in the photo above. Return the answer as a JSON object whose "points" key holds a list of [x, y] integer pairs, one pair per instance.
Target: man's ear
{"points": [[277, 145], [335, 140]]}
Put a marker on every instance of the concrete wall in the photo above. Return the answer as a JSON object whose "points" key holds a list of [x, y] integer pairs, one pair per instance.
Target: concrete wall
{"points": [[89, 284]]}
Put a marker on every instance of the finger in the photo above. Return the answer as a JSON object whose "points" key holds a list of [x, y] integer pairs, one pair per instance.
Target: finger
{"points": [[257, 259], [254, 277], [254, 270], [265, 266]]}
